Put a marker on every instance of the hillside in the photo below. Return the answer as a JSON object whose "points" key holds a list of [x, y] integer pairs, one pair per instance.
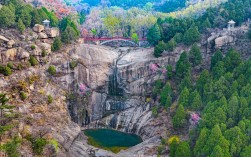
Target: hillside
{"points": [[171, 76]]}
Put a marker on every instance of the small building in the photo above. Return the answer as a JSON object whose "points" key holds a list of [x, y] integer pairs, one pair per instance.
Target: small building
{"points": [[230, 25], [46, 23]]}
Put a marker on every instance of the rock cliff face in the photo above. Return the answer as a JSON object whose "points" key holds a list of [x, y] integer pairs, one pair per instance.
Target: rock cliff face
{"points": [[119, 81]]}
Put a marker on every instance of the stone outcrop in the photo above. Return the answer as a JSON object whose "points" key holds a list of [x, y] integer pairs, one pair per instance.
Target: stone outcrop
{"points": [[2, 38], [9, 55], [42, 35], [23, 55], [10, 43], [52, 32], [38, 28], [35, 52], [46, 47], [224, 40], [32, 36]]}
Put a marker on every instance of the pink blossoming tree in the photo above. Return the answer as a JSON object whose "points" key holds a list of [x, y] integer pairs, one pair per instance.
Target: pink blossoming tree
{"points": [[83, 89]]}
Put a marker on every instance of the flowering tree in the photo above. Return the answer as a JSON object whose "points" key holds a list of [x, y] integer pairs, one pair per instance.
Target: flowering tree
{"points": [[83, 89], [154, 67], [195, 118]]}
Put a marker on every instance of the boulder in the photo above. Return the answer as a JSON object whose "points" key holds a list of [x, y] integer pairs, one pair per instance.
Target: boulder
{"points": [[2, 38], [36, 52], [52, 32], [9, 54], [46, 47], [32, 36], [10, 43], [38, 28], [22, 54], [42, 35], [221, 41]]}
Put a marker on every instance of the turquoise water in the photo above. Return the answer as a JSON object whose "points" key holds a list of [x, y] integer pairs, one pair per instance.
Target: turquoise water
{"points": [[112, 138]]}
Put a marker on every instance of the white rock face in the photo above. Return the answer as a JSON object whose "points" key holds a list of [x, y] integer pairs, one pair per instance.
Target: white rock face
{"points": [[97, 62]]}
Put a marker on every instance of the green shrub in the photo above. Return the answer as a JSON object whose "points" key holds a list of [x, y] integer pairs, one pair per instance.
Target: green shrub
{"points": [[33, 61], [54, 143], [10, 65], [23, 95], [20, 66], [159, 49], [5, 70], [49, 99], [155, 111], [57, 44], [73, 64], [33, 47], [11, 147], [37, 144], [52, 70], [44, 53], [20, 25]]}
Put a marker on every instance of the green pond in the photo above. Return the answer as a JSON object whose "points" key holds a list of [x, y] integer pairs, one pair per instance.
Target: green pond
{"points": [[111, 139]]}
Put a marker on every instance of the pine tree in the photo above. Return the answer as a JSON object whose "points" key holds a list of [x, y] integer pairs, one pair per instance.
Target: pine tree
{"points": [[57, 44], [25, 15], [36, 18], [216, 138], [169, 70], [183, 150], [217, 152], [165, 93], [195, 55], [7, 17], [201, 142], [232, 60], [170, 45], [173, 147], [216, 58], [179, 117], [246, 151], [186, 81], [213, 139], [197, 102], [192, 35], [69, 34], [218, 70], [233, 107], [20, 25], [182, 66], [237, 138], [159, 49], [184, 97], [153, 35], [168, 101], [206, 24]]}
